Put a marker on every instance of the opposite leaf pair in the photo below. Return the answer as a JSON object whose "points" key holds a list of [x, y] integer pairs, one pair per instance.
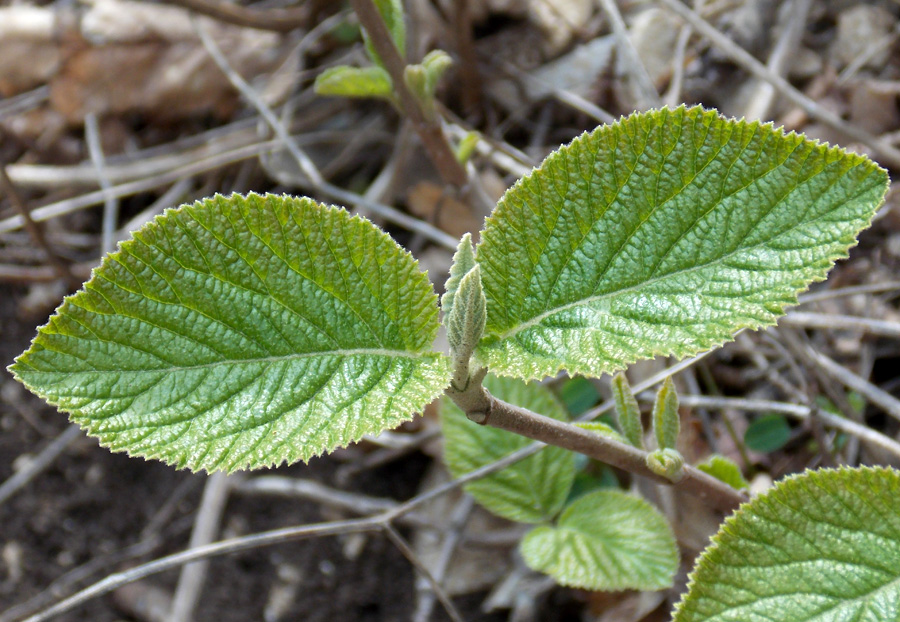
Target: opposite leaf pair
{"points": [[241, 332]]}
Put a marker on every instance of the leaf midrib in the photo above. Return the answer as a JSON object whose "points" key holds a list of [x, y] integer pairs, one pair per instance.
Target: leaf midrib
{"points": [[376, 352]]}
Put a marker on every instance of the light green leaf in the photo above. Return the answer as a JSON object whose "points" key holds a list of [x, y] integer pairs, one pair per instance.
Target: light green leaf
{"points": [[242, 332], [344, 81], [725, 470], [663, 233], [628, 414], [823, 546], [530, 491], [605, 540], [465, 325], [666, 422], [463, 262], [602, 429], [466, 147], [436, 64]]}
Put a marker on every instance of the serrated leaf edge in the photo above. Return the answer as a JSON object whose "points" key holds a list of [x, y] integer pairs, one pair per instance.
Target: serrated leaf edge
{"points": [[705, 564], [775, 309]]}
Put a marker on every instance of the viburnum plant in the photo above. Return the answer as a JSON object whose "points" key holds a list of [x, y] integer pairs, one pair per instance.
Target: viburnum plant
{"points": [[242, 332]]}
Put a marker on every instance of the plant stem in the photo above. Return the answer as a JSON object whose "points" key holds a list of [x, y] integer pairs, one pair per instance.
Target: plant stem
{"points": [[483, 408], [275, 19], [431, 133]]}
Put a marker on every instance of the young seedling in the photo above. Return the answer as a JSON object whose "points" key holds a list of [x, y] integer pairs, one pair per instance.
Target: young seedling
{"points": [[410, 88], [243, 332]]}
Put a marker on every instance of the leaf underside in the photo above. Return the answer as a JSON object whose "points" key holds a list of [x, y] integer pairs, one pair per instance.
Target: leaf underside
{"points": [[605, 540], [243, 332], [530, 491], [663, 234], [822, 546]]}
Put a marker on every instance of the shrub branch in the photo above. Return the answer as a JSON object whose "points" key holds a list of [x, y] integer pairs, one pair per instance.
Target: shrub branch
{"points": [[485, 409]]}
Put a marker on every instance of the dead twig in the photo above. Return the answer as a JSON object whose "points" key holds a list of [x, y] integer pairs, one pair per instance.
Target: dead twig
{"points": [[452, 537], [796, 411], [39, 463], [110, 203], [60, 267], [25, 275], [761, 100], [206, 527], [648, 97], [853, 290], [835, 321], [886, 152], [423, 571], [884, 400], [277, 20]]}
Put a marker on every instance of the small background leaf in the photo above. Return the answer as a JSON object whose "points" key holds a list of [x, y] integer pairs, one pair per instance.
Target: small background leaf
{"points": [[663, 233], [344, 81], [579, 395], [530, 491], [603, 429], [823, 546], [767, 433], [242, 332], [725, 470], [605, 540]]}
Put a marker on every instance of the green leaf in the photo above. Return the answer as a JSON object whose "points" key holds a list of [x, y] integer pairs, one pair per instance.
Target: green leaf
{"points": [[466, 324], [666, 422], [602, 429], [628, 414], [823, 546], [768, 433], [436, 64], [466, 147], [725, 470], [242, 332], [422, 80], [345, 81], [463, 262], [530, 491], [605, 540], [464, 309], [663, 234]]}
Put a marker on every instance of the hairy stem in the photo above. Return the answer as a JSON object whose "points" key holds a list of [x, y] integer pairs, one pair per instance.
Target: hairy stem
{"points": [[483, 408], [431, 133]]}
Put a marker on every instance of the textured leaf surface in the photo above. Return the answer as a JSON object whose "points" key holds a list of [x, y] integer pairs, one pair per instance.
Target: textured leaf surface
{"points": [[530, 491], [243, 332], [823, 546], [605, 540], [663, 233]]}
